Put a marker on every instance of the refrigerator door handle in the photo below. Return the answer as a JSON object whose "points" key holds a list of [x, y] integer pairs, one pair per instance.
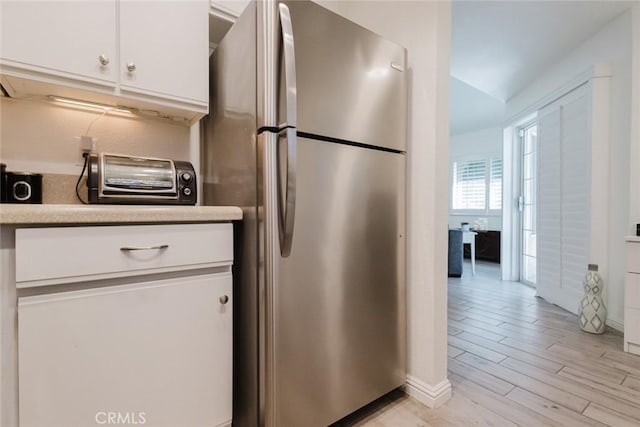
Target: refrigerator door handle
{"points": [[287, 210], [289, 65]]}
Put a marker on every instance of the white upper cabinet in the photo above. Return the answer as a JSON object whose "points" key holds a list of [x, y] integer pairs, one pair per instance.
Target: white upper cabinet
{"points": [[67, 39], [164, 48], [150, 55]]}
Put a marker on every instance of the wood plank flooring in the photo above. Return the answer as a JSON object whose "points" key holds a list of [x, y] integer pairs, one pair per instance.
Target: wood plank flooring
{"points": [[515, 360]]}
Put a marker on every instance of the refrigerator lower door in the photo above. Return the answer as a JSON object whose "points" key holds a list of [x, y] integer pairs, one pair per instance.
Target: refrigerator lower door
{"points": [[339, 297]]}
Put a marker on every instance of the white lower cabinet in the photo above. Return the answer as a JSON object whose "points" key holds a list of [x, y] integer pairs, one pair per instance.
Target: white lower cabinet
{"points": [[156, 352], [632, 297], [152, 349]]}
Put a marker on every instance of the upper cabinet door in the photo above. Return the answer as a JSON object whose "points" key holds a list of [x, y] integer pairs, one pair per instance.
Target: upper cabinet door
{"points": [[164, 49], [71, 39]]}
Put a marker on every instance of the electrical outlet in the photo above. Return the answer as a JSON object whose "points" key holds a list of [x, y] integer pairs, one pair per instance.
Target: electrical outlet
{"points": [[86, 145]]}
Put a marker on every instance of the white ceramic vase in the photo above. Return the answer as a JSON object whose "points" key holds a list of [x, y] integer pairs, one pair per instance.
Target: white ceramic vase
{"points": [[592, 314]]}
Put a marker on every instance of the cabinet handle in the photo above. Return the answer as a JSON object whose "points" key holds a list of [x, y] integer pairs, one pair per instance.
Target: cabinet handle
{"points": [[104, 59], [223, 299], [131, 67], [143, 248]]}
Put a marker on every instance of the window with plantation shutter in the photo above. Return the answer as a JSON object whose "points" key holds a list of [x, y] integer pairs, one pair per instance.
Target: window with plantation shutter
{"points": [[477, 185], [495, 185], [469, 185]]}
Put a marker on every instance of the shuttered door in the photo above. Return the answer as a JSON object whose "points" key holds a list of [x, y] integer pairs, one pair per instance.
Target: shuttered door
{"points": [[549, 197], [563, 209]]}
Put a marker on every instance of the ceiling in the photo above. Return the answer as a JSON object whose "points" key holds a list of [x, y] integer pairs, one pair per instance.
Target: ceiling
{"points": [[500, 47], [472, 109]]}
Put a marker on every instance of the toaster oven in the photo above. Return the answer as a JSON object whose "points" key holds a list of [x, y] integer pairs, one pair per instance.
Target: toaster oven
{"points": [[119, 179]]}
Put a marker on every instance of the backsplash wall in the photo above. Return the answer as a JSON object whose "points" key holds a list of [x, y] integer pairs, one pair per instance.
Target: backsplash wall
{"points": [[40, 136]]}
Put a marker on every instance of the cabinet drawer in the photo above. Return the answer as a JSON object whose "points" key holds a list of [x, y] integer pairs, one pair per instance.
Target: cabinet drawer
{"points": [[46, 256], [632, 325], [632, 291], [633, 257]]}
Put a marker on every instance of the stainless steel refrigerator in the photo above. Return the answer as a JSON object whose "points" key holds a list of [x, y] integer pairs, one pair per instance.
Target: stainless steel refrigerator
{"points": [[306, 133]]}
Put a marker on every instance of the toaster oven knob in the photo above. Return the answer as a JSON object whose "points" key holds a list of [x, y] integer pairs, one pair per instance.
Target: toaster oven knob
{"points": [[186, 177], [186, 191]]}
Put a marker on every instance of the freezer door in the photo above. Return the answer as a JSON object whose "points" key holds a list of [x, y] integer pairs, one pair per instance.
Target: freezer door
{"points": [[339, 298], [351, 83]]}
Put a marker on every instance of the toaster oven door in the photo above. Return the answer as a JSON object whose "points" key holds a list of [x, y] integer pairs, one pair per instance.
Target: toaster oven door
{"points": [[123, 175]]}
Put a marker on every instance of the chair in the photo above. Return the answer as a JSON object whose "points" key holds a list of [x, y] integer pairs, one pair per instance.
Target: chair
{"points": [[455, 253]]}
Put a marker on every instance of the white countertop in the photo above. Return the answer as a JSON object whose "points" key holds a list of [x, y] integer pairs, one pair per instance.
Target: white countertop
{"points": [[114, 214], [632, 239]]}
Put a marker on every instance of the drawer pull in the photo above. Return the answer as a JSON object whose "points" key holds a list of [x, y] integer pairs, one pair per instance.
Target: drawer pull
{"points": [[223, 299], [143, 248]]}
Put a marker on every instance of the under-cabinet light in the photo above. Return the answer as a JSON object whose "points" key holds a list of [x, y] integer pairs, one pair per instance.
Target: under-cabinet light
{"points": [[87, 104]]}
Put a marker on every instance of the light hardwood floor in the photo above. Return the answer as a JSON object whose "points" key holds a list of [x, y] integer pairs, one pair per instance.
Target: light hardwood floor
{"points": [[515, 360]]}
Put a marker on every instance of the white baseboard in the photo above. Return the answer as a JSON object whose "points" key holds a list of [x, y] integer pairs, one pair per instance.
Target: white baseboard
{"points": [[615, 324], [432, 396]]}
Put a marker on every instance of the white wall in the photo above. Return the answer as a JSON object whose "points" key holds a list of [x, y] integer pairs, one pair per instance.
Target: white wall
{"points": [[424, 28], [38, 136], [611, 45], [478, 144]]}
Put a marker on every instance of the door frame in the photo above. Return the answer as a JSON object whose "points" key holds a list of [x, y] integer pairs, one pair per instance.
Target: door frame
{"points": [[511, 189], [521, 134]]}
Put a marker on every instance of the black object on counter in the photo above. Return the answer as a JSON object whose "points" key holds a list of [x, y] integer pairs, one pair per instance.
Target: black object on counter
{"points": [[23, 187], [637, 229], [3, 182]]}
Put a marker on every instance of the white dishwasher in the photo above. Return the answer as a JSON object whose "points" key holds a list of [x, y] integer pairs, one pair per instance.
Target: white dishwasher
{"points": [[152, 349]]}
